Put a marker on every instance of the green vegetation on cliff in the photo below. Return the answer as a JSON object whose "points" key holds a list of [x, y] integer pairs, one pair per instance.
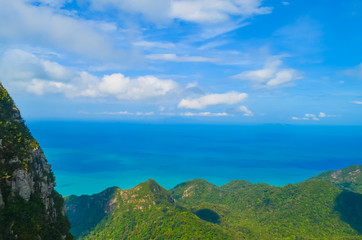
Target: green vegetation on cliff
{"points": [[16, 139], [30, 208]]}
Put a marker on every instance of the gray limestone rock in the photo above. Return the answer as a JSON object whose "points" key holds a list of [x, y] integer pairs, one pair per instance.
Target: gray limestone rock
{"points": [[22, 183]]}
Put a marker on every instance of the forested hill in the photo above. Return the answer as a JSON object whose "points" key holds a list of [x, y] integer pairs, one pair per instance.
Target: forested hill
{"points": [[147, 211], [349, 178], [30, 208], [314, 209]]}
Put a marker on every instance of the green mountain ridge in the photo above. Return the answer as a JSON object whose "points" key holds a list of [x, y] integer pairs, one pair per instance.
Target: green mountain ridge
{"points": [[314, 209], [147, 211]]}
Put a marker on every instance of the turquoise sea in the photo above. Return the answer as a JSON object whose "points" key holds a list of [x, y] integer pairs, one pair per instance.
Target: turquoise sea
{"points": [[88, 157]]}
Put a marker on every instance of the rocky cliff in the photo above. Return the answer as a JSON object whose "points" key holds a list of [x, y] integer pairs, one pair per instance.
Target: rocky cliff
{"points": [[30, 208]]}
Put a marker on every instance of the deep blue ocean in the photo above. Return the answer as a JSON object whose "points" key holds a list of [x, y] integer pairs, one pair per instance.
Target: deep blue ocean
{"points": [[88, 157]]}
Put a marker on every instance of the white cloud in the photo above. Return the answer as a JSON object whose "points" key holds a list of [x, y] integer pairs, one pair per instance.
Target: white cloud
{"points": [[186, 114], [145, 113], [16, 64], [41, 87], [132, 89], [286, 3], [272, 75], [282, 77], [21, 22], [129, 113], [204, 114], [300, 118], [147, 44], [215, 11], [213, 99], [311, 116], [39, 76], [356, 102], [246, 111], [117, 113], [174, 58], [315, 117], [192, 85], [198, 11], [322, 115]]}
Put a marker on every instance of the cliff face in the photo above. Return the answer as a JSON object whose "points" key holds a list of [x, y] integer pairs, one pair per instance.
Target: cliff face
{"points": [[30, 208]]}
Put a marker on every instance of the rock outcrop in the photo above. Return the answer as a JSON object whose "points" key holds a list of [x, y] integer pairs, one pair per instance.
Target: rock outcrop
{"points": [[30, 208]]}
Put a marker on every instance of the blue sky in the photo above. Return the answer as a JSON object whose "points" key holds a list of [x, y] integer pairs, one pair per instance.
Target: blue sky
{"points": [[239, 61]]}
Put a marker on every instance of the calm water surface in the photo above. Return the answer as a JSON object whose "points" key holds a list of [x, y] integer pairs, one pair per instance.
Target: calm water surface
{"points": [[88, 157]]}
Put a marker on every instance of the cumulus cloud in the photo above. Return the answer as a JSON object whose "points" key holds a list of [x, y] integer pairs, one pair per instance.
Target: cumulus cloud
{"points": [[174, 58], [246, 111], [39, 76], [271, 75], [130, 89], [21, 22], [213, 99]]}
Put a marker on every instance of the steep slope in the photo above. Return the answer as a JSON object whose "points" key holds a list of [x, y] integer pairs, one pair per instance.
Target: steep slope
{"points": [[30, 208], [147, 211], [85, 212], [349, 178]]}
